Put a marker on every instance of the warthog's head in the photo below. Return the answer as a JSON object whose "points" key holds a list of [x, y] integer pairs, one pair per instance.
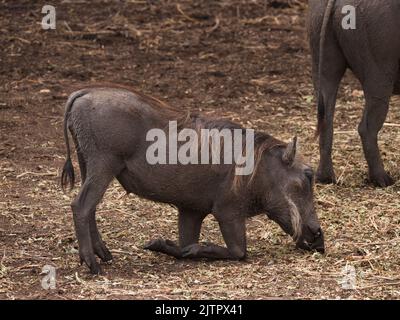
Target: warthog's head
{"points": [[287, 185]]}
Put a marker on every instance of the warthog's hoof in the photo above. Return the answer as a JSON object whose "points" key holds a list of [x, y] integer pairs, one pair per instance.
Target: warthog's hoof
{"points": [[381, 180], [154, 245], [91, 262], [324, 177], [102, 252], [191, 251]]}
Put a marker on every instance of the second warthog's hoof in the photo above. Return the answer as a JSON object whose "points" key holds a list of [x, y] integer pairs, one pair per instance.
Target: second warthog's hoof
{"points": [[381, 180], [93, 265], [102, 252], [325, 177]]}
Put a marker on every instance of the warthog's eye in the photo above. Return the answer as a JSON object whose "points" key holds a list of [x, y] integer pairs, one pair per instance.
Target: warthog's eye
{"points": [[318, 234], [309, 174]]}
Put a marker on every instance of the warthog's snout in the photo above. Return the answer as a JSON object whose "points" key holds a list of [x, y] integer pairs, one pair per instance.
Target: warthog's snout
{"points": [[313, 240]]}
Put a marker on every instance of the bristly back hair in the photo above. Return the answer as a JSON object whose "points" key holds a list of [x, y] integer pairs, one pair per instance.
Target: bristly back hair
{"points": [[262, 143], [148, 99]]}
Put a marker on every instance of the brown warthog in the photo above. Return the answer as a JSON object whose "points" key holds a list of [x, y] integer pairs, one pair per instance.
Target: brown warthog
{"points": [[109, 127], [372, 51]]}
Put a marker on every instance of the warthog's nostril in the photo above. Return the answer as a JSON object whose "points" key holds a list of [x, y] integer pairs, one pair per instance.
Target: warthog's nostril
{"points": [[314, 242], [320, 248]]}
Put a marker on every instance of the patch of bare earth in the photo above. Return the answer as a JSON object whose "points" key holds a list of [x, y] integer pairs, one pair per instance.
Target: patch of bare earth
{"points": [[244, 60]]}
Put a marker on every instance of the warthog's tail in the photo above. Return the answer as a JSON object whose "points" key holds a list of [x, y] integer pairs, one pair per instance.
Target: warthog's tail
{"points": [[322, 38], [68, 174]]}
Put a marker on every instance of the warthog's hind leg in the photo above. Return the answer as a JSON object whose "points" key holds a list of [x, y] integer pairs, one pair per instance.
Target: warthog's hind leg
{"points": [[99, 247], [99, 176]]}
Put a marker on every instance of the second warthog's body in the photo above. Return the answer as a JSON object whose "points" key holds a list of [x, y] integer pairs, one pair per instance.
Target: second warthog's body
{"points": [[372, 52]]}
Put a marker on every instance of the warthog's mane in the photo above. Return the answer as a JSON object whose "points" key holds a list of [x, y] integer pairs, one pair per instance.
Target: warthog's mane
{"points": [[262, 143]]}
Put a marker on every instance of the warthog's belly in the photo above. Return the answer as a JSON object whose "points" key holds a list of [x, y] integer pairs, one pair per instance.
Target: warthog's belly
{"points": [[153, 186], [133, 183]]}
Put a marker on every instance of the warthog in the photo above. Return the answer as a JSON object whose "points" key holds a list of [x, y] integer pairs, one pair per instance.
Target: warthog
{"points": [[109, 127], [372, 52]]}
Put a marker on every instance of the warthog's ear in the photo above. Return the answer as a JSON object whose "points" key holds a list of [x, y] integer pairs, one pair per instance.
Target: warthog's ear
{"points": [[290, 152]]}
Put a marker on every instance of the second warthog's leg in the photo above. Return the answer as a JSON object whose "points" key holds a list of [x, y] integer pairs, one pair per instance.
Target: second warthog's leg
{"points": [[377, 96], [327, 87]]}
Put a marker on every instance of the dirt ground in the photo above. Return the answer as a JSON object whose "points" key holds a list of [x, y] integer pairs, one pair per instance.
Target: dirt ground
{"points": [[243, 60]]}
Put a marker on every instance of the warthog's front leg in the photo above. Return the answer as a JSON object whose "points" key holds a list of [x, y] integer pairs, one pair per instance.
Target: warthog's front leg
{"points": [[234, 232], [189, 233], [164, 246]]}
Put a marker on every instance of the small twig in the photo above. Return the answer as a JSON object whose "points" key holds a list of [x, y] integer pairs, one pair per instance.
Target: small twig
{"points": [[93, 33], [321, 202], [346, 132], [375, 243], [39, 174], [264, 80], [388, 124], [67, 26], [340, 178], [256, 20], [178, 7], [123, 252], [20, 39], [379, 285], [27, 266], [215, 27]]}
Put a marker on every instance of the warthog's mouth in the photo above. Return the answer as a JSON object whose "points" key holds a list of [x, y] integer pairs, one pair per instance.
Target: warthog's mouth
{"points": [[316, 246]]}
